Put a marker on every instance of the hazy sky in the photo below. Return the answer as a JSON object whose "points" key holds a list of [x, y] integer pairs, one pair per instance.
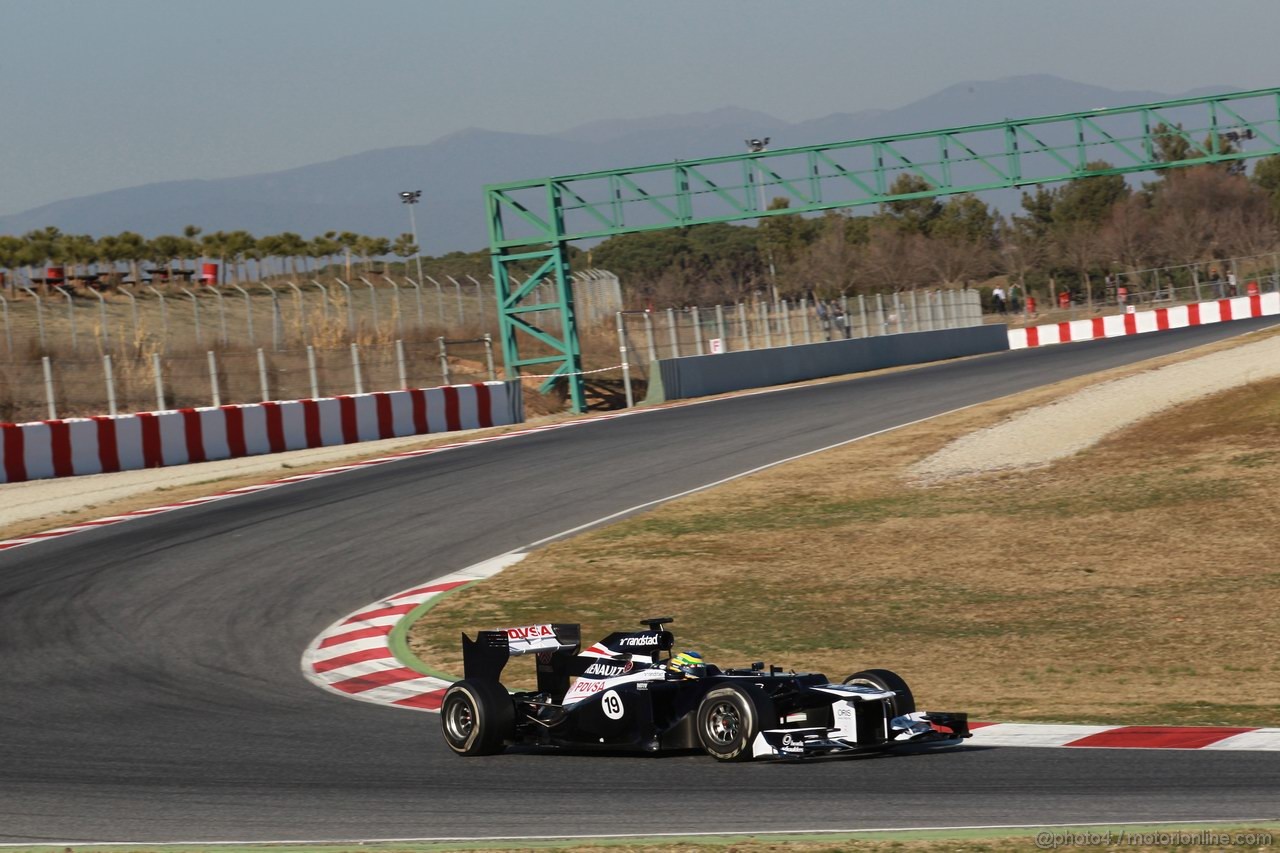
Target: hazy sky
{"points": [[101, 94]]}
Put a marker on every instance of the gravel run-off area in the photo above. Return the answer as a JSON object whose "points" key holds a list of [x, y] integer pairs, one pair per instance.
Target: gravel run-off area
{"points": [[1038, 436]]}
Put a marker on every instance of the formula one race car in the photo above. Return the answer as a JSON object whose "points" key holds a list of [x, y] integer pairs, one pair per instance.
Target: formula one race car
{"points": [[630, 692]]}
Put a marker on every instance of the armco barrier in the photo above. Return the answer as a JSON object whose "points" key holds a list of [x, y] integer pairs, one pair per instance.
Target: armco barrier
{"points": [[700, 375], [1139, 322], [64, 448]]}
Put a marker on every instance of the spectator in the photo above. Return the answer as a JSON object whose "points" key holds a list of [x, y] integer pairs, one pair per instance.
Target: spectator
{"points": [[1215, 280], [1231, 285], [997, 300]]}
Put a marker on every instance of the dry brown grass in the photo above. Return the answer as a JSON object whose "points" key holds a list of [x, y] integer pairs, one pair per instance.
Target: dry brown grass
{"points": [[1134, 583]]}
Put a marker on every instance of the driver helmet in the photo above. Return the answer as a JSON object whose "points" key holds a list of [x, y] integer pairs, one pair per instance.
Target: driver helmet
{"points": [[689, 664]]}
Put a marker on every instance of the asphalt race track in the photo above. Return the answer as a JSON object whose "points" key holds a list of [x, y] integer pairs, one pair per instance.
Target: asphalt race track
{"points": [[151, 688]]}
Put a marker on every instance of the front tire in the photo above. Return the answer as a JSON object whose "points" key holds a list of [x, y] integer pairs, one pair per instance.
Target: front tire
{"points": [[477, 717], [728, 720], [902, 702]]}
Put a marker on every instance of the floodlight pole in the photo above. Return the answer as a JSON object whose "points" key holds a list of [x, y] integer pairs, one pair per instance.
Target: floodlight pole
{"points": [[410, 197], [757, 146]]}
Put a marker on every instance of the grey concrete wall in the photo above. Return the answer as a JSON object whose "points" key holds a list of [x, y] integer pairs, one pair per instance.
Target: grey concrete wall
{"points": [[701, 375]]}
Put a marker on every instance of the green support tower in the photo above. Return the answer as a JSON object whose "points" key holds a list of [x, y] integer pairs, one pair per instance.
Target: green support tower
{"points": [[532, 222]]}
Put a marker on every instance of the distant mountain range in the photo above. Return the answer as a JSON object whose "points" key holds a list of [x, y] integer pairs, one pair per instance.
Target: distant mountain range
{"points": [[359, 192]]}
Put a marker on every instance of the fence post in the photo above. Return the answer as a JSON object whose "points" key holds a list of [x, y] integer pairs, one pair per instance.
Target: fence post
{"points": [[673, 332], [373, 300], [195, 315], [8, 330], [39, 315], [697, 329], [404, 381], [213, 378], [786, 322], [311, 370], [262, 376], [488, 356], [768, 333], [159, 380], [133, 310], [324, 304], [444, 361], [395, 310], [351, 307], [102, 318], [300, 306], [742, 324], [109, 375], [48, 387], [462, 314], [222, 315], [721, 332], [480, 298], [417, 292], [277, 321], [439, 299], [71, 318], [626, 368], [248, 313], [804, 314], [355, 367], [648, 336]]}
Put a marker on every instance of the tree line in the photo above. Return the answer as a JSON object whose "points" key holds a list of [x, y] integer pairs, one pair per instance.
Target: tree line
{"points": [[243, 256], [1070, 237]]}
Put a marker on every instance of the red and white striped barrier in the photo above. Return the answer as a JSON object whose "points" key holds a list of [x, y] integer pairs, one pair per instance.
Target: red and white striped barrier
{"points": [[1139, 322], [65, 448]]}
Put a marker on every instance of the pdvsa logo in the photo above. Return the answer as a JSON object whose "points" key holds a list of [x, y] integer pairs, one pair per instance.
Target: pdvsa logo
{"points": [[530, 632]]}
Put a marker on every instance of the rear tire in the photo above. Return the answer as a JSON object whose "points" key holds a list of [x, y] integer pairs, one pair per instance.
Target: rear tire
{"points": [[728, 720], [902, 702], [477, 717]]}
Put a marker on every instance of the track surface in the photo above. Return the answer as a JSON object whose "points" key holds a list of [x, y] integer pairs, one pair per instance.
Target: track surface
{"points": [[151, 687]]}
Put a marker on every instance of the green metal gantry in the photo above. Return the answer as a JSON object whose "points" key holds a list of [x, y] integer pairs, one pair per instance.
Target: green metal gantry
{"points": [[532, 222]]}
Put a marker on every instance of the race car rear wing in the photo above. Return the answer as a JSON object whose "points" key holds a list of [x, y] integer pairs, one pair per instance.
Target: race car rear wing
{"points": [[554, 644]]}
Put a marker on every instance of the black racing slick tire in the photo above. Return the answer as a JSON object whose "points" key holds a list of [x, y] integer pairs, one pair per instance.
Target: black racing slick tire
{"points": [[884, 679], [477, 717], [728, 720]]}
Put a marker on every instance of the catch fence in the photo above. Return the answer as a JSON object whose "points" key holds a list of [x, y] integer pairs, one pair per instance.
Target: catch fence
{"points": [[54, 387]]}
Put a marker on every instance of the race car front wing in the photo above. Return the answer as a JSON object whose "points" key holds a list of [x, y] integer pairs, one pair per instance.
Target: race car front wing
{"points": [[920, 729]]}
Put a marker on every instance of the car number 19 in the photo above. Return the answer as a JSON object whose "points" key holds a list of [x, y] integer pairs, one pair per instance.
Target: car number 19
{"points": [[611, 702]]}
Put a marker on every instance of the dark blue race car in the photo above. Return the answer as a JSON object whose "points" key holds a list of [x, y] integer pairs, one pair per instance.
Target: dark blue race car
{"points": [[629, 692]]}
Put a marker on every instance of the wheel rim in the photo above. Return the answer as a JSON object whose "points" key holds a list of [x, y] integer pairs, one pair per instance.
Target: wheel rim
{"points": [[460, 720], [724, 724]]}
